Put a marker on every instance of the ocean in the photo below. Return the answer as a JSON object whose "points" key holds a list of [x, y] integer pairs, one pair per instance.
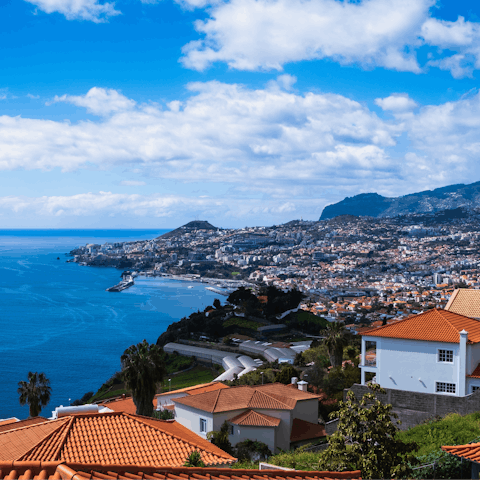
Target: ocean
{"points": [[57, 318]]}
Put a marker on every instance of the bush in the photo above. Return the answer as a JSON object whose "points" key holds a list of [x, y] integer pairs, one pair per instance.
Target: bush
{"points": [[249, 450]]}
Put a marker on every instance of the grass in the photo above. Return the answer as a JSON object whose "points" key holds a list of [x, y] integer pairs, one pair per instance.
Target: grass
{"points": [[195, 376], [235, 273], [108, 394], [241, 322], [297, 459], [453, 429]]}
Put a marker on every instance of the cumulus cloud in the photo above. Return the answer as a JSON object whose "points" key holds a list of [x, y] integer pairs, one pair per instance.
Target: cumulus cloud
{"points": [[267, 34], [99, 101], [221, 133], [90, 10], [398, 102], [272, 143]]}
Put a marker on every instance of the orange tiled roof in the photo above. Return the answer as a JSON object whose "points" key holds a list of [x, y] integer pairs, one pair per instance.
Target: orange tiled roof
{"points": [[436, 325], [8, 421], [465, 301], [21, 423], [303, 430], [255, 419], [124, 405], [274, 396], [68, 471], [470, 452], [108, 438]]}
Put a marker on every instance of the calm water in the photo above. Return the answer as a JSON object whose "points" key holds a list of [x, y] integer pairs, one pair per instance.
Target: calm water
{"points": [[57, 318]]}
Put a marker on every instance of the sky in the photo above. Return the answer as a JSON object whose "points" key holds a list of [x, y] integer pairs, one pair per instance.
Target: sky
{"points": [[153, 113]]}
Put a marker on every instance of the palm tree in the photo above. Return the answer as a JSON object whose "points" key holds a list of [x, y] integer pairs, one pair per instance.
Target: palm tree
{"points": [[143, 368], [336, 339], [36, 392]]}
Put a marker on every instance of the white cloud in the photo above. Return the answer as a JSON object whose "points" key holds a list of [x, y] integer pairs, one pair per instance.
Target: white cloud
{"points": [[282, 146], [132, 183], [266, 34], [397, 102], [221, 133], [90, 10], [99, 101]]}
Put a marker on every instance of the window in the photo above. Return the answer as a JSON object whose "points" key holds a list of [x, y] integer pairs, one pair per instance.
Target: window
{"points": [[231, 431], [203, 425], [445, 356], [475, 388], [443, 387]]}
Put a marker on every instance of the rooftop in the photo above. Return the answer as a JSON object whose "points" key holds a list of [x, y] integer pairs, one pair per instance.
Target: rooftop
{"points": [[68, 471], [108, 438], [436, 325], [465, 301], [255, 419], [274, 396]]}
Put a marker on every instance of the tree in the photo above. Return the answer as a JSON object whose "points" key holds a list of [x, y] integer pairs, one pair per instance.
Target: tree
{"points": [[286, 373], [337, 337], [220, 438], [366, 439], [194, 460], [143, 368], [36, 392], [216, 303]]}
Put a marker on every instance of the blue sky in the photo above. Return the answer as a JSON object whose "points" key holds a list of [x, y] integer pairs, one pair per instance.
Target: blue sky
{"points": [[242, 112]]}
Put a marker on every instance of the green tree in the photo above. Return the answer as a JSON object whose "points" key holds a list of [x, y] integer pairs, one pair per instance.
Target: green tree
{"points": [[337, 337], [366, 440], [143, 368], [194, 460], [286, 373], [220, 438], [36, 392]]}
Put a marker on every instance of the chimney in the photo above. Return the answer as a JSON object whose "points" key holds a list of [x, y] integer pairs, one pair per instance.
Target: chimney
{"points": [[294, 380], [462, 363], [302, 385]]}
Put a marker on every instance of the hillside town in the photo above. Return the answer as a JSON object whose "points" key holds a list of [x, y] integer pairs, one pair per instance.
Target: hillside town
{"points": [[360, 269]]}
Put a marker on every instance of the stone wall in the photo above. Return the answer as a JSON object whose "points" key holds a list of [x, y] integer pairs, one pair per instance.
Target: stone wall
{"points": [[414, 408]]}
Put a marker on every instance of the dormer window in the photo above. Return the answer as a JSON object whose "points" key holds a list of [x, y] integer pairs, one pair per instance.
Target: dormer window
{"points": [[445, 356]]}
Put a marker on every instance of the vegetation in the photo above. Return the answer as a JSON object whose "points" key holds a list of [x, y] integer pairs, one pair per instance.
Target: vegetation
{"points": [[298, 459], [195, 376], [366, 439], [220, 438], [305, 322], [337, 338], [249, 450], [194, 460], [163, 415], [241, 322], [35, 392], [270, 375], [143, 368]]}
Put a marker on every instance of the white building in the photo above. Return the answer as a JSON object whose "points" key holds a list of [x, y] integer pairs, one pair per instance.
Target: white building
{"points": [[435, 352], [275, 414]]}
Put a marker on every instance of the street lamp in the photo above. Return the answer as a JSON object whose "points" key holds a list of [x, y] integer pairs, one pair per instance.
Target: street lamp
{"points": [[169, 384], [261, 373]]}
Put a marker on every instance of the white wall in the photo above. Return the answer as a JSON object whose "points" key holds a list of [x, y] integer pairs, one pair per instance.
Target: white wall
{"points": [[306, 410], [408, 360], [190, 418], [166, 398], [473, 357]]}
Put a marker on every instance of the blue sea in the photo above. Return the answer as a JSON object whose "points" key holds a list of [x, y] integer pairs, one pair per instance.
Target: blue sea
{"points": [[57, 318]]}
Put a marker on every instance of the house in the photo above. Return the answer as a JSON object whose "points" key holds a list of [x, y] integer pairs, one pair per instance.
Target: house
{"points": [[434, 352], [275, 414], [469, 452], [28, 470], [108, 438]]}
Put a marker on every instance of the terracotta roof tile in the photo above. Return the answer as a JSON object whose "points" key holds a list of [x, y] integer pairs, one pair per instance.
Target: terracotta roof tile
{"points": [[465, 301], [436, 325], [470, 452], [57, 471], [303, 430], [108, 438], [255, 419], [22, 423], [273, 396], [196, 389]]}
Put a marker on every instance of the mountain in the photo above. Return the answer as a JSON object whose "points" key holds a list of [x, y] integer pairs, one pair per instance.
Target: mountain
{"points": [[190, 227], [429, 201]]}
